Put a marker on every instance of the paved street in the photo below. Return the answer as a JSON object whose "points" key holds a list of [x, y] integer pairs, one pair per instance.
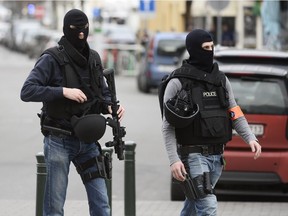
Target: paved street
{"points": [[21, 140], [149, 208]]}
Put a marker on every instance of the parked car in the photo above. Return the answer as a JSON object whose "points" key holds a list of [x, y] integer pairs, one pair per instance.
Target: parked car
{"points": [[4, 28], [34, 40], [160, 59], [260, 84], [119, 34], [18, 29], [44, 38]]}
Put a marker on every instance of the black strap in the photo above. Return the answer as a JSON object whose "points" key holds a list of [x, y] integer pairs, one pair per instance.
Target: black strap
{"points": [[57, 53], [92, 175], [89, 163], [192, 73], [99, 173], [204, 149], [81, 79]]}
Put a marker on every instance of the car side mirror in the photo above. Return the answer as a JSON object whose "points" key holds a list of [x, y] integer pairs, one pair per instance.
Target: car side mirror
{"points": [[176, 60]]}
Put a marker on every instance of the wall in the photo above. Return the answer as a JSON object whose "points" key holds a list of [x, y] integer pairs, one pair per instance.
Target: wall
{"points": [[169, 16]]}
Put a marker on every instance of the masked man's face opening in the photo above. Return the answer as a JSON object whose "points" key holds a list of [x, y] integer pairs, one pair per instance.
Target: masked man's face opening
{"points": [[76, 28], [209, 46], [199, 44], [81, 30]]}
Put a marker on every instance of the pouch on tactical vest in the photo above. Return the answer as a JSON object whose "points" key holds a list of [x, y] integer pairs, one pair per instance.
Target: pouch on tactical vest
{"points": [[89, 128]]}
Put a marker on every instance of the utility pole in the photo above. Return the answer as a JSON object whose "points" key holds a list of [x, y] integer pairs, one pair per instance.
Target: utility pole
{"points": [[188, 15]]}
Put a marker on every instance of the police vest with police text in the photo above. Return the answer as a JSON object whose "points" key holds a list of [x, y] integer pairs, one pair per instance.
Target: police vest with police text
{"points": [[212, 124]]}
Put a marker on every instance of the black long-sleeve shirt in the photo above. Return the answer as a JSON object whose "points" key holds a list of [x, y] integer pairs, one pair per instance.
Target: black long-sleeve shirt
{"points": [[44, 82]]}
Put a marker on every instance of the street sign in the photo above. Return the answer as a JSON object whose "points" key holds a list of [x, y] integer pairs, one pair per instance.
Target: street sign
{"points": [[147, 6], [218, 5]]}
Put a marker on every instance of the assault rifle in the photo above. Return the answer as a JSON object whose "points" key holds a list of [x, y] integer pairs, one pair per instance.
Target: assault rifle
{"points": [[118, 131]]}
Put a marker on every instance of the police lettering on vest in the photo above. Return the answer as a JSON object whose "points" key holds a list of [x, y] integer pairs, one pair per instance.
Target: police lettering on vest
{"points": [[210, 94], [212, 124]]}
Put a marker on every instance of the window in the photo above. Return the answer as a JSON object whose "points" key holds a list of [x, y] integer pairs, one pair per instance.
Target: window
{"points": [[170, 47], [259, 96]]}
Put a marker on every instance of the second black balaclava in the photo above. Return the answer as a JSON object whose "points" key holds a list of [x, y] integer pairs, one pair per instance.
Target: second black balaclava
{"points": [[199, 58], [78, 19]]}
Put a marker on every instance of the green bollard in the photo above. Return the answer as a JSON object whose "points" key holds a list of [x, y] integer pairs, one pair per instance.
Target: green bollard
{"points": [[109, 182], [41, 181], [129, 185]]}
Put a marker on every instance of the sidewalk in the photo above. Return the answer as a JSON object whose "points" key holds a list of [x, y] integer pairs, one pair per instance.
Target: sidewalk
{"points": [[149, 208]]}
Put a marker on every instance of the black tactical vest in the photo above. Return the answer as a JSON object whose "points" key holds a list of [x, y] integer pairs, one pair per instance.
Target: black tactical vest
{"points": [[212, 125], [65, 108]]}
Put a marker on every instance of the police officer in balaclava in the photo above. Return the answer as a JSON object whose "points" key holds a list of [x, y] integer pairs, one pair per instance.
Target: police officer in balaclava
{"points": [[199, 45], [76, 28], [195, 150], [68, 79], [76, 31]]}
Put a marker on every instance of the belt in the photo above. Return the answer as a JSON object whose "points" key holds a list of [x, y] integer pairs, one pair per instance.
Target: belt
{"points": [[57, 131], [203, 149]]}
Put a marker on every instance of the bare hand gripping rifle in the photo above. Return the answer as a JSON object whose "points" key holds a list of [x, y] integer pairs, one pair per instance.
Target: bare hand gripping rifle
{"points": [[118, 130]]}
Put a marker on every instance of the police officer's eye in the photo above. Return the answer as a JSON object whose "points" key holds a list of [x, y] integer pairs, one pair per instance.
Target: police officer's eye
{"points": [[208, 47], [79, 27]]}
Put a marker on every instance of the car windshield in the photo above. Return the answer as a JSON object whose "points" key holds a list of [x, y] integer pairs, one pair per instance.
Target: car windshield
{"points": [[259, 96], [170, 47], [251, 60]]}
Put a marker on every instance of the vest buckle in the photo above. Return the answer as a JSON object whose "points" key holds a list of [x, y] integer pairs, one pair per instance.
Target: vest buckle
{"points": [[205, 150]]}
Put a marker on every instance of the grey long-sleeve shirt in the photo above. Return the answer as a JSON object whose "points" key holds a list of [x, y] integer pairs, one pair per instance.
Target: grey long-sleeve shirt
{"points": [[168, 131]]}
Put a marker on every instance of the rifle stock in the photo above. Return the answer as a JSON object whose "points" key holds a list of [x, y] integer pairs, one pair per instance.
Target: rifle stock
{"points": [[118, 131]]}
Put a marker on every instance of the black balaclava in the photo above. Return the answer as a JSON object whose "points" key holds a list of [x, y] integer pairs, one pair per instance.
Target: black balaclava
{"points": [[199, 58], [78, 19]]}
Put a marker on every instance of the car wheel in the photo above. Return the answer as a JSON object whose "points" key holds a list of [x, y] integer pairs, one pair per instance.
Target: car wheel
{"points": [[176, 192], [142, 84]]}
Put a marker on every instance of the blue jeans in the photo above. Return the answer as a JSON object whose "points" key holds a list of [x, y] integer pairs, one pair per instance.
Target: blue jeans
{"points": [[197, 165], [59, 152]]}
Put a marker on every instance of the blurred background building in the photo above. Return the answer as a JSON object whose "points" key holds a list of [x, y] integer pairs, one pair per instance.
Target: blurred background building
{"points": [[243, 24]]}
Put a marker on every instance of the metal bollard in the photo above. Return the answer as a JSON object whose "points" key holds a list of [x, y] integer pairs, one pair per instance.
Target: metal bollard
{"points": [[109, 182], [41, 181], [129, 184]]}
